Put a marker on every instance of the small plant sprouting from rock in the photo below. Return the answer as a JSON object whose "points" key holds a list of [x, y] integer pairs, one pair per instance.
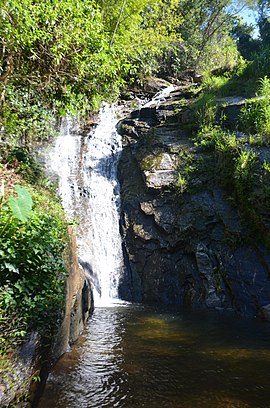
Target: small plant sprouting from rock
{"points": [[181, 183]]}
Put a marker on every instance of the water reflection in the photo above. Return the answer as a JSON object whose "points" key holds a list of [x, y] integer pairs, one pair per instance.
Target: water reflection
{"points": [[140, 357]]}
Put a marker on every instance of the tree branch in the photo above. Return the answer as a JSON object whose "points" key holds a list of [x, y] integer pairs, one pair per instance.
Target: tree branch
{"points": [[117, 23]]}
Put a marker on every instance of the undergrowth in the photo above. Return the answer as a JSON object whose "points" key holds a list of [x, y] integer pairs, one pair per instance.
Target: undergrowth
{"points": [[33, 237], [240, 164], [243, 174]]}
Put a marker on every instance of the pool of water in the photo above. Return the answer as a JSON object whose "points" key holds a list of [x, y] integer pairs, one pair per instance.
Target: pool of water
{"points": [[139, 356]]}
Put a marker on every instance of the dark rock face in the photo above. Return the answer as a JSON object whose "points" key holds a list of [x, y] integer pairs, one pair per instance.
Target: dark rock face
{"points": [[187, 245]]}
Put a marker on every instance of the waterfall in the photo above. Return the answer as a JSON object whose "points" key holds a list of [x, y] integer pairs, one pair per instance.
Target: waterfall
{"points": [[160, 96], [87, 172]]}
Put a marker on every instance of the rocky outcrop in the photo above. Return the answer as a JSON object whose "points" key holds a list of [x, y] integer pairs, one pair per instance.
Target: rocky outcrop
{"points": [[79, 302], [184, 241]]}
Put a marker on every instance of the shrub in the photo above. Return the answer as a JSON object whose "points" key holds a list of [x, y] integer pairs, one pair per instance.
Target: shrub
{"points": [[244, 172], [205, 110], [32, 272], [214, 84], [255, 115]]}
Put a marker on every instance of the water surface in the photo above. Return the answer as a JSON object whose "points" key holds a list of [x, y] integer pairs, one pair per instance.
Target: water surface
{"points": [[135, 356]]}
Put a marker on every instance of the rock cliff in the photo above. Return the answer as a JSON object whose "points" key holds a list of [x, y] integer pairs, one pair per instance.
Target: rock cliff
{"points": [[184, 240]]}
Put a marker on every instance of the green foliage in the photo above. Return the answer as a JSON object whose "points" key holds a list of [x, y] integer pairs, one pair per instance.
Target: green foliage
{"points": [[26, 116], [32, 272], [22, 161], [243, 34], [66, 56], [238, 169], [237, 81], [260, 63], [206, 40], [30, 245], [245, 173], [181, 183], [21, 206], [205, 110], [255, 116], [264, 89], [186, 167], [226, 147], [215, 84]]}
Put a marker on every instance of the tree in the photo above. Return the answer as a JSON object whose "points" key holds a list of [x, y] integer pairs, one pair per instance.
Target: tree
{"points": [[264, 21], [242, 33], [140, 31], [205, 32]]}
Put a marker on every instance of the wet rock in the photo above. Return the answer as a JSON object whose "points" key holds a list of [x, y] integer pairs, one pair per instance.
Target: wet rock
{"points": [[206, 268], [159, 170], [154, 85], [17, 378], [265, 312], [187, 116], [79, 302]]}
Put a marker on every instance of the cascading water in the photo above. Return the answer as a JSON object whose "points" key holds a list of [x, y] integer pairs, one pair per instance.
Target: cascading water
{"points": [[87, 171], [160, 96]]}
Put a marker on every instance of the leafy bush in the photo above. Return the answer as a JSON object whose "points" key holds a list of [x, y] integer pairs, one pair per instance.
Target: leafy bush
{"points": [[22, 161], [261, 62], [32, 272], [26, 115], [255, 115], [214, 84], [244, 173], [210, 136], [65, 56]]}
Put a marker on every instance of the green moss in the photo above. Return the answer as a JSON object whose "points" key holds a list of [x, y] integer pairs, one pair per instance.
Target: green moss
{"points": [[151, 162]]}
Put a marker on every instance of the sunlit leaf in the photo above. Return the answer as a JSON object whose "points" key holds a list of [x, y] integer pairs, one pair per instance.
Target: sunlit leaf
{"points": [[21, 206]]}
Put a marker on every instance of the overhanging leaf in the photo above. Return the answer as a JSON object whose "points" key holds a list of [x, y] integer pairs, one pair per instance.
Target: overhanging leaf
{"points": [[21, 206], [11, 268]]}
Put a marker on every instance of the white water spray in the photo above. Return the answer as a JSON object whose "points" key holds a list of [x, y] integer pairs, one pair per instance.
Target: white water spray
{"points": [[160, 96], [87, 171]]}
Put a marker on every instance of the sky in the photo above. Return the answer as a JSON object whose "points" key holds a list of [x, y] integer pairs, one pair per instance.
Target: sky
{"points": [[249, 17]]}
